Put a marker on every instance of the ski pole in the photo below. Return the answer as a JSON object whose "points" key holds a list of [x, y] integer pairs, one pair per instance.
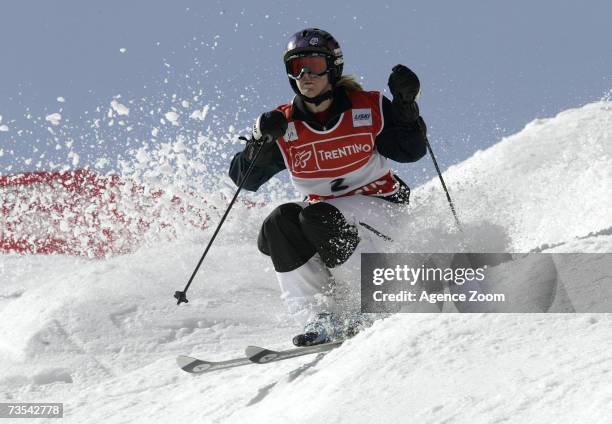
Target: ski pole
{"points": [[181, 296], [450, 201]]}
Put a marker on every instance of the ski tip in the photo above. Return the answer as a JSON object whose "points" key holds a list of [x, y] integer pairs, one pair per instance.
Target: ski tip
{"points": [[189, 364], [183, 360], [260, 355]]}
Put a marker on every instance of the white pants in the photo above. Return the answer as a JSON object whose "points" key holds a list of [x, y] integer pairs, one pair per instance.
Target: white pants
{"points": [[313, 288]]}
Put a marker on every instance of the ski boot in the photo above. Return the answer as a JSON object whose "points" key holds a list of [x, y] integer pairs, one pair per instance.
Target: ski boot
{"points": [[323, 328], [328, 327]]}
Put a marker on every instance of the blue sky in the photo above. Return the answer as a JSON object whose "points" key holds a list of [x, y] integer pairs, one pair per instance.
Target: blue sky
{"points": [[487, 68]]}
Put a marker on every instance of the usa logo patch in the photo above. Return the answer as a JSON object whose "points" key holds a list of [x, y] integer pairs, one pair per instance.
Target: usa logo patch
{"points": [[291, 133], [362, 117]]}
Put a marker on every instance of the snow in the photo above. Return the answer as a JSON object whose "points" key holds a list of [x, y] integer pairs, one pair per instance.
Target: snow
{"points": [[545, 184], [455, 368], [75, 158], [102, 335], [4, 128], [119, 108], [54, 118], [172, 117], [200, 114]]}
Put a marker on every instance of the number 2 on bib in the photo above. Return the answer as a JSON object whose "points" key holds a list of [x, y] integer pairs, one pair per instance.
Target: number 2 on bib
{"points": [[337, 185]]}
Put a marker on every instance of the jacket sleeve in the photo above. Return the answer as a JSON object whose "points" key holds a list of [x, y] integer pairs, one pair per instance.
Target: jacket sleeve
{"points": [[262, 171], [401, 142]]}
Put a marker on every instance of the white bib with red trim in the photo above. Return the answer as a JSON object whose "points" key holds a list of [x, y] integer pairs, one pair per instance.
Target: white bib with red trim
{"points": [[343, 160]]}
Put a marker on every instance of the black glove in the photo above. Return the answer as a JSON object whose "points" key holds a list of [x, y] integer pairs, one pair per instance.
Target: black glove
{"points": [[405, 87], [270, 126], [404, 84], [267, 128]]}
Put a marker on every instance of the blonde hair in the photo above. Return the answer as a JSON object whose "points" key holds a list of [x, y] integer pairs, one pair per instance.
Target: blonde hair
{"points": [[349, 82]]}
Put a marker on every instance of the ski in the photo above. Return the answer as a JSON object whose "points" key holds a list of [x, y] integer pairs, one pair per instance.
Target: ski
{"points": [[254, 355], [198, 366], [262, 355]]}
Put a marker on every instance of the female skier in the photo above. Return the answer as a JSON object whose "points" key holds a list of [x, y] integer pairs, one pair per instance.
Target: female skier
{"points": [[335, 140]]}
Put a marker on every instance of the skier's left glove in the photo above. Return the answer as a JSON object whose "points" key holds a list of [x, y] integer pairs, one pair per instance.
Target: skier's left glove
{"points": [[405, 87], [404, 84]]}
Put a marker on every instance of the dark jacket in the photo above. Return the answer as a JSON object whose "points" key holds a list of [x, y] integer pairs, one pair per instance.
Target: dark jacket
{"points": [[399, 140]]}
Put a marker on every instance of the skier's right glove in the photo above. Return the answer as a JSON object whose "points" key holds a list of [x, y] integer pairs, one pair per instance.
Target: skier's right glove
{"points": [[268, 127]]}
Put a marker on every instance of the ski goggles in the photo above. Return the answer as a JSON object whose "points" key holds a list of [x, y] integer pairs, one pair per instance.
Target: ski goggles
{"points": [[300, 65]]}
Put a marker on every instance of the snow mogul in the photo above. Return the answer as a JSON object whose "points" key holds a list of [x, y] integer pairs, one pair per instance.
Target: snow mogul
{"points": [[336, 140]]}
